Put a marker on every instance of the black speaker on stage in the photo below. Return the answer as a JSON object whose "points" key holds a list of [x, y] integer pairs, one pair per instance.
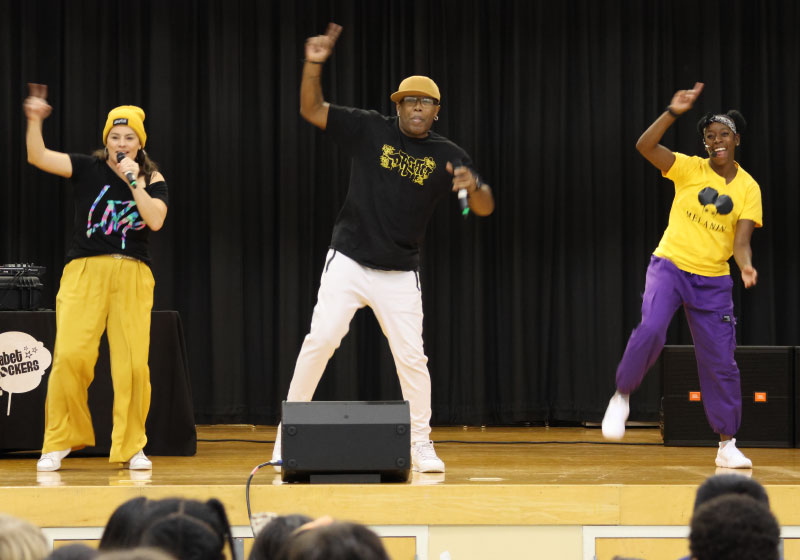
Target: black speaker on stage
{"points": [[346, 441], [768, 397]]}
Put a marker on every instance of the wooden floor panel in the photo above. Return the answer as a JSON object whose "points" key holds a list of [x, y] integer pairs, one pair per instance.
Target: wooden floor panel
{"points": [[505, 476]]}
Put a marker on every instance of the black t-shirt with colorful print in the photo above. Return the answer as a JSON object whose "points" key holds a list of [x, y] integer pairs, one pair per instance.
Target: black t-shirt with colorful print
{"points": [[395, 183], [107, 220]]}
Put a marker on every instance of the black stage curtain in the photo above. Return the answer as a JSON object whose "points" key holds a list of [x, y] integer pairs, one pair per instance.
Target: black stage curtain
{"points": [[526, 312]]}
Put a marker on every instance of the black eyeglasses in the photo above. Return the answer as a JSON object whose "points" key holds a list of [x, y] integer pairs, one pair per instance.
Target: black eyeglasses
{"points": [[412, 100]]}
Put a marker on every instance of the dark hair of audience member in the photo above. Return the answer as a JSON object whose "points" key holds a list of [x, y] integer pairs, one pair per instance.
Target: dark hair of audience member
{"points": [[273, 536], [734, 527], [21, 540], [188, 529], [75, 551], [124, 527], [340, 540], [722, 484], [141, 553]]}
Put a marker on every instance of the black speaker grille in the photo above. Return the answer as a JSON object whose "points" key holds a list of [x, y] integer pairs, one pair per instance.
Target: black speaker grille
{"points": [[766, 370], [345, 438]]}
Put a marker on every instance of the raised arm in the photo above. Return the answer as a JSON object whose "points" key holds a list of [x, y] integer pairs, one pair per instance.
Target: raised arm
{"points": [[36, 110], [313, 106], [648, 143], [742, 252]]}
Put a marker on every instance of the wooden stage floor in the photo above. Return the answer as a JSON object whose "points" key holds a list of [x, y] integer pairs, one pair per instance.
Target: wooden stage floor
{"points": [[495, 476]]}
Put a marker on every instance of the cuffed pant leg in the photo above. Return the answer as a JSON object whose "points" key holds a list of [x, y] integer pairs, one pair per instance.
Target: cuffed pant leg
{"points": [[711, 320]]}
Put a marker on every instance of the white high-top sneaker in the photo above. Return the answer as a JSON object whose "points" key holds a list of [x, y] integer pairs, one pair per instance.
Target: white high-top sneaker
{"points": [[729, 457], [615, 417], [424, 459]]}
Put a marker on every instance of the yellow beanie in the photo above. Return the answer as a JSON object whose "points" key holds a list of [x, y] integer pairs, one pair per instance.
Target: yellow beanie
{"points": [[127, 115]]}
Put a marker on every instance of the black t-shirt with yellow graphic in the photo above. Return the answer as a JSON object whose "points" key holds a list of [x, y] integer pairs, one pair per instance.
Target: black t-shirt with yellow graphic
{"points": [[395, 183]]}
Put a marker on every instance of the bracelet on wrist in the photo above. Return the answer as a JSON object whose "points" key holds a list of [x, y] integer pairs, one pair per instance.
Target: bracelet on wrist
{"points": [[671, 112], [478, 184], [313, 61]]}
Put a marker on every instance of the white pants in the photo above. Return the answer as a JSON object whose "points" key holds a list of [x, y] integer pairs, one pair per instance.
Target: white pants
{"points": [[396, 299]]}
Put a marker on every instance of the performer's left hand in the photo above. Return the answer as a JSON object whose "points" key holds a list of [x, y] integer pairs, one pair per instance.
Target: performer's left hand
{"points": [[462, 178], [749, 276]]}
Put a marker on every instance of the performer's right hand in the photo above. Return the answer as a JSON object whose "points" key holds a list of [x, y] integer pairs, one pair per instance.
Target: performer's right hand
{"points": [[35, 105], [319, 48], [683, 99]]}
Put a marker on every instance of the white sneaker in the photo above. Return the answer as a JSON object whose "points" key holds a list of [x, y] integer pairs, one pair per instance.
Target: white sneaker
{"points": [[729, 457], [276, 451], [424, 459], [51, 461], [140, 462], [616, 415]]}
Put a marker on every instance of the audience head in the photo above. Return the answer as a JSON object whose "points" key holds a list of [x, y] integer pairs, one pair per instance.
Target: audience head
{"points": [[722, 484], [336, 541], [140, 553], [75, 551], [734, 527], [188, 529], [19, 540], [274, 535], [124, 527]]}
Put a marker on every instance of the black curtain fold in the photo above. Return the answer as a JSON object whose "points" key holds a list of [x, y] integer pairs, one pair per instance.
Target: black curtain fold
{"points": [[527, 312]]}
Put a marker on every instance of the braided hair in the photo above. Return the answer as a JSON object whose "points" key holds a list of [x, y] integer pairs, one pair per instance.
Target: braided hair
{"points": [[189, 529]]}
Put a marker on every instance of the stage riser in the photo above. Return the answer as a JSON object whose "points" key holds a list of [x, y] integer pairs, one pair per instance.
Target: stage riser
{"points": [[518, 492]]}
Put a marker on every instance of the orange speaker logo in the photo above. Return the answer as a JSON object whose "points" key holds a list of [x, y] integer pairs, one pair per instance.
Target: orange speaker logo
{"points": [[760, 397], [694, 396]]}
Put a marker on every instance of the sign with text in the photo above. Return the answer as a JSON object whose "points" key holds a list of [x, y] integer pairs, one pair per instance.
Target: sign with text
{"points": [[23, 361]]}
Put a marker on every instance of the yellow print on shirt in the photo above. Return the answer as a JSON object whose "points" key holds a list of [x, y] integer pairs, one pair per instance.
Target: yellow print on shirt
{"points": [[419, 169]]}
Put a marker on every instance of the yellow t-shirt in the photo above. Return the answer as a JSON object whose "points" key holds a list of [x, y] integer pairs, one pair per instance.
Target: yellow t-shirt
{"points": [[702, 221]]}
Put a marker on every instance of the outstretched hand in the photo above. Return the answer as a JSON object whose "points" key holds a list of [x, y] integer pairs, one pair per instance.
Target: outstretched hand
{"points": [[320, 47], [35, 105], [683, 99], [462, 178]]}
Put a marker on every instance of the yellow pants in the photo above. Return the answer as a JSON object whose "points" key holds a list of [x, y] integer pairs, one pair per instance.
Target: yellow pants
{"points": [[99, 294]]}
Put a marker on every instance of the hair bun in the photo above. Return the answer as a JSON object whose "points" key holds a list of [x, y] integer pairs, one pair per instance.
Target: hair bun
{"points": [[738, 118]]}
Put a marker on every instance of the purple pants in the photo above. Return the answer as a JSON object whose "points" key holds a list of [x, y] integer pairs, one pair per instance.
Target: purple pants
{"points": [[708, 305]]}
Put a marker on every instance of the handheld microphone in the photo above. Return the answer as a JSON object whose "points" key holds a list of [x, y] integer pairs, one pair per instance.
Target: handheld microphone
{"points": [[463, 203], [128, 175]]}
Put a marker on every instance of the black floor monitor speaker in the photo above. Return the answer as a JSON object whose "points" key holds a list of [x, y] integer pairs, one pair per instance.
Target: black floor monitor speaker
{"points": [[346, 441], [768, 397]]}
